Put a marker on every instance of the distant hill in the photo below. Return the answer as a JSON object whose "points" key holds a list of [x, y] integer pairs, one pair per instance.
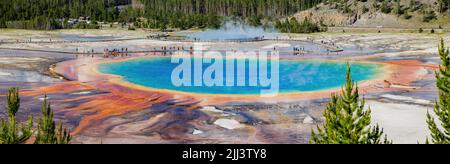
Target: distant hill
{"points": [[381, 13]]}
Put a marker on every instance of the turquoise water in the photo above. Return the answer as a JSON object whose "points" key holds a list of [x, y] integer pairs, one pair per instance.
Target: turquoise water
{"points": [[294, 76]]}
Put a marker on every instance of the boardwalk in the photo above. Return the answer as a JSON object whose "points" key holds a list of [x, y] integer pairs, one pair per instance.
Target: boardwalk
{"points": [[50, 41], [328, 45], [331, 48], [88, 53], [212, 41]]}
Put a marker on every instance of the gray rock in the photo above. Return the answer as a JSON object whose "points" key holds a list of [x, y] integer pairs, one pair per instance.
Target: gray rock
{"points": [[308, 120]]}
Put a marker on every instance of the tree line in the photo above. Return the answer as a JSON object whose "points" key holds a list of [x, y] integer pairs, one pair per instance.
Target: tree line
{"points": [[294, 26], [51, 14], [161, 14], [244, 8], [99, 10], [210, 13]]}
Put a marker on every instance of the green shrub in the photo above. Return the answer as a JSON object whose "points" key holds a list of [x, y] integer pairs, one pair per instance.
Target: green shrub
{"points": [[385, 8], [440, 128], [48, 132], [347, 120], [11, 131], [294, 26], [428, 16], [407, 16]]}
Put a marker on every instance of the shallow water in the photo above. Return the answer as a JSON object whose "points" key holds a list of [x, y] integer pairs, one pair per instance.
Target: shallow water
{"points": [[70, 37], [294, 76]]}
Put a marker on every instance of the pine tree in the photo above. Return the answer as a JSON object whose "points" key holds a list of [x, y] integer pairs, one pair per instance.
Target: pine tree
{"points": [[47, 132], [398, 8], [385, 8], [412, 5], [346, 120], [442, 107], [443, 5], [10, 133]]}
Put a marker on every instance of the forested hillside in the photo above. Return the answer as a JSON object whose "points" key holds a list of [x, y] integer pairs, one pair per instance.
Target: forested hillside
{"points": [[205, 13], [386, 13], [246, 8], [49, 14], [184, 14]]}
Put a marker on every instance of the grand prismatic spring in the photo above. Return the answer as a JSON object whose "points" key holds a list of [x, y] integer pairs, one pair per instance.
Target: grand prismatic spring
{"points": [[295, 76]]}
